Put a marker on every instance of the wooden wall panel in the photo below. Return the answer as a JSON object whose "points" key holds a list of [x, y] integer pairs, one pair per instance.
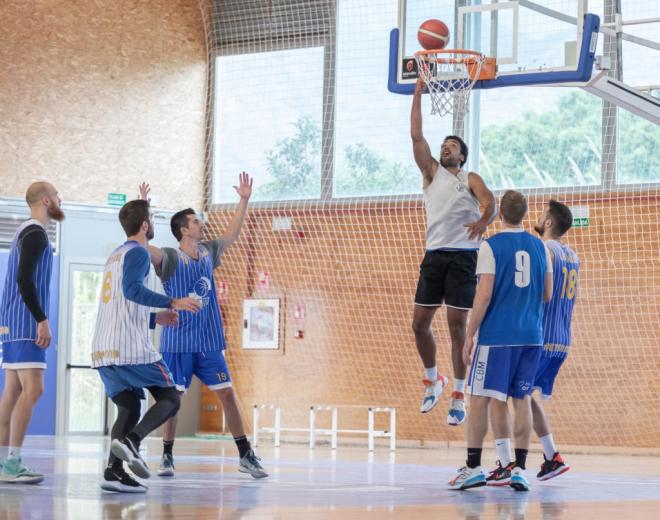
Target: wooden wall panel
{"points": [[98, 96]]}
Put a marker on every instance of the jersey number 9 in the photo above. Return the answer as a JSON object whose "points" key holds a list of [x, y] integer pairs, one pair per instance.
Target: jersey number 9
{"points": [[522, 269]]}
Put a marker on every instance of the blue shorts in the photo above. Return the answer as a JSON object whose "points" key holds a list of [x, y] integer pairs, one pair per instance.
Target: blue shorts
{"points": [[502, 372], [549, 365], [134, 378], [21, 354], [209, 367]]}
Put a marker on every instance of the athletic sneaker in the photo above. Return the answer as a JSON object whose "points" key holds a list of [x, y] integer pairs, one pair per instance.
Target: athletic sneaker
{"points": [[251, 464], [121, 482], [468, 478], [166, 468], [129, 453], [456, 413], [500, 476], [518, 480], [432, 392], [552, 468], [15, 472]]}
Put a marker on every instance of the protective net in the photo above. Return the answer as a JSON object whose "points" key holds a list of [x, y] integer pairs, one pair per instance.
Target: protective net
{"points": [[336, 226]]}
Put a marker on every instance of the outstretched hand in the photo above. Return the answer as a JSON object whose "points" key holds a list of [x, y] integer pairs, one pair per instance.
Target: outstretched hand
{"points": [[144, 190], [244, 188]]}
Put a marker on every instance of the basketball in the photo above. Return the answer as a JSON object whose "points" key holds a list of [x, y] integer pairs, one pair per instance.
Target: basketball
{"points": [[433, 34]]}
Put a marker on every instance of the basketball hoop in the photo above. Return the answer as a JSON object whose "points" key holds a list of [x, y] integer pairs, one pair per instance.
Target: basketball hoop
{"points": [[450, 74]]}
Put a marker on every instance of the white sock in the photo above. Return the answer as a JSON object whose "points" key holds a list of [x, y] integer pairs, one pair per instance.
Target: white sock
{"points": [[431, 374], [503, 447], [14, 452], [4, 452], [459, 385], [548, 444]]}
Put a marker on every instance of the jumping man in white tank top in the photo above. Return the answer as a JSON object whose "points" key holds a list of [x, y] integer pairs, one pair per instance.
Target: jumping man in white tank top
{"points": [[454, 226]]}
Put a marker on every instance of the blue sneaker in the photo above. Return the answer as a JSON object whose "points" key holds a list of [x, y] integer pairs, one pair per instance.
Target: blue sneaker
{"points": [[468, 478], [456, 413], [14, 471], [518, 480], [432, 391]]}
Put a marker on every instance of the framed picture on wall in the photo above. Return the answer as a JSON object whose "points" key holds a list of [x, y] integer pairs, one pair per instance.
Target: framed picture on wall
{"points": [[261, 323]]}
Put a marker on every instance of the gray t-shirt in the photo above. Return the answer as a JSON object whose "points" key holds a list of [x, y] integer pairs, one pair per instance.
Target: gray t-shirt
{"points": [[166, 269]]}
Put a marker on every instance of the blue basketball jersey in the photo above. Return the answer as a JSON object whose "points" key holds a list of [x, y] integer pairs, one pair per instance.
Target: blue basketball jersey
{"points": [[515, 313], [201, 331], [16, 321], [558, 312]]}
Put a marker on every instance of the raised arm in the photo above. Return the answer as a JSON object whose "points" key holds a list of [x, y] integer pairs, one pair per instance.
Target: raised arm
{"points": [[421, 150], [155, 253], [486, 200], [244, 190]]}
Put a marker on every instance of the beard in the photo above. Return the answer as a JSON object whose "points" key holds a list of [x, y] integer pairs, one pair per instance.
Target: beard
{"points": [[539, 229], [55, 213], [448, 162], [150, 232]]}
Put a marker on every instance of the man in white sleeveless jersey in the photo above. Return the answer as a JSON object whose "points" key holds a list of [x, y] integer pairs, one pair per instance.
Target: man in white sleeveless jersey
{"points": [[123, 354], [454, 226]]}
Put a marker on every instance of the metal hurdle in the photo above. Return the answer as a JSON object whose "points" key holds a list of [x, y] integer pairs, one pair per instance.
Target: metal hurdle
{"points": [[333, 431]]}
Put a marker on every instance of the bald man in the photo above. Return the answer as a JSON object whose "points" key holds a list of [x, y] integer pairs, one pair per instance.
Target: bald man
{"points": [[24, 329]]}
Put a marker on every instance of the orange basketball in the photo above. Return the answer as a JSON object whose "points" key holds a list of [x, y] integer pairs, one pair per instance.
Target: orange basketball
{"points": [[433, 34]]}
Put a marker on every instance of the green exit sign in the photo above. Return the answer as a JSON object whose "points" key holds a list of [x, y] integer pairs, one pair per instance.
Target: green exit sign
{"points": [[116, 199], [580, 216]]}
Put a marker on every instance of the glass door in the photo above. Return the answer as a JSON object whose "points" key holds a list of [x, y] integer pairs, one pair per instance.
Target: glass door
{"points": [[87, 403]]}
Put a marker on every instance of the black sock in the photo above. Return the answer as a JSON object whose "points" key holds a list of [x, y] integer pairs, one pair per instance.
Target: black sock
{"points": [[473, 457], [521, 457], [167, 447], [243, 445]]}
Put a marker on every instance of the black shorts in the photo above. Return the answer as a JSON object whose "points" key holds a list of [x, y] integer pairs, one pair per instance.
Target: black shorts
{"points": [[447, 277]]}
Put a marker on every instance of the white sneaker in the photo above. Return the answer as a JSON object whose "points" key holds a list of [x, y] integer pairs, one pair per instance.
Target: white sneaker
{"points": [[432, 393], [519, 480], [456, 414], [166, 468], [468, 478]]}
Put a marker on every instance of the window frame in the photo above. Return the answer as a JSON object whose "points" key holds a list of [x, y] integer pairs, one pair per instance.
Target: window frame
{"points": [[609, 183]]}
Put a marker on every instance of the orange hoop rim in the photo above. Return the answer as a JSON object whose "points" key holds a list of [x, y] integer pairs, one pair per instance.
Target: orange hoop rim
{"points": [[472, 55]]}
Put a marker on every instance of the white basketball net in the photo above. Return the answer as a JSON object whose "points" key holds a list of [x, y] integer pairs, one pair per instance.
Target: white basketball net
{"points": [[448, 80]]}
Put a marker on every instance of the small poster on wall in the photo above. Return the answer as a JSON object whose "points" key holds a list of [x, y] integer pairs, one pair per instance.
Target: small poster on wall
{"points": [[261, 323]]}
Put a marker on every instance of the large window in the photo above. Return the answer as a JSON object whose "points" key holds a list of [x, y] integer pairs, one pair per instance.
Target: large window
{"points": [[638, 139], [314, 119], [373, 151], [540, 137], [269, 108]]}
